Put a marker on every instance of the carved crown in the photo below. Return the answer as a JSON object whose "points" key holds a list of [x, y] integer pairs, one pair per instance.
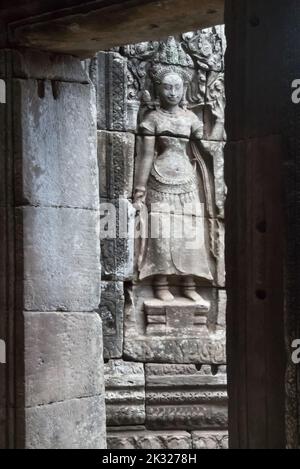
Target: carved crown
{"points": [[171, 57]]}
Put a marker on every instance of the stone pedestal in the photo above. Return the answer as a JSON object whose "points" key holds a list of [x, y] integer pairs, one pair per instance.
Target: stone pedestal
{"points": [[176, 319], [179, 332]]}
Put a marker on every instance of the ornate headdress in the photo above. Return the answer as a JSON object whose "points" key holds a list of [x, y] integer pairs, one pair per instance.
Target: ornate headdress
{"points": [[171, 58]]}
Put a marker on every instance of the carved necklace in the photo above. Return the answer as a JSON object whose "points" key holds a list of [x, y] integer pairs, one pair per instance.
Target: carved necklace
{"points": [[170, 114]]}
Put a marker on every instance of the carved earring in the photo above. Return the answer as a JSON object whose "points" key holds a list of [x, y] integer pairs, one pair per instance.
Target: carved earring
{"points": [[184, 104], [157, 104]]}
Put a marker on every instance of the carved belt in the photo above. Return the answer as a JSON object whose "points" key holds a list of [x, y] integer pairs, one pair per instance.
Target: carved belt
{"points": [[164, 185]]}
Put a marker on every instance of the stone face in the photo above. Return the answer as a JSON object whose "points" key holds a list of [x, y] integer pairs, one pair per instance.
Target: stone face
{"points": [[63, 357], [124, 393], [111, 310], [116, 163], [61, 258], [181, 397], [144, 439], [72, 424], [56, 158], [210, 440], [117, 239]]}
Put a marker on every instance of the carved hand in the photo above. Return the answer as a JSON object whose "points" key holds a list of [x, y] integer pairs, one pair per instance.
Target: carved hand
{"points": [[139, 199]]}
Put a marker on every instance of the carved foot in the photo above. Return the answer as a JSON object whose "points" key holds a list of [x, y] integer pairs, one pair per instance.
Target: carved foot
{"points": [[194, 296], [161, 289], [164, 295], [189, 291]]}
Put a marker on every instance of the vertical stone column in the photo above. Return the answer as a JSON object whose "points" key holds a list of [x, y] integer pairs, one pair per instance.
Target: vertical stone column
{"points": [[262, 166], [50, 210]]}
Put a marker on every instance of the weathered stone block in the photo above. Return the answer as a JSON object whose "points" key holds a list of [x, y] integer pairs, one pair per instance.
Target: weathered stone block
{"points": [[210, 440], [116, 164], [61, 258], [111, 310], [179, 339], [56, 147], [138, 438], [181, 397], [63, 357], [47, 66], [117, 239], [73, 424], [124, 393]]}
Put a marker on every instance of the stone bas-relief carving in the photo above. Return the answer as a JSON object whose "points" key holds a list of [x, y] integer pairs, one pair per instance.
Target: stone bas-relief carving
{"points": [[140, 438], [122, 76], [161, 145], [178, 331], [112, 314], [117, 222], [116, 158], [125, 393], [181, 397], [210, 440], [167, 183]]}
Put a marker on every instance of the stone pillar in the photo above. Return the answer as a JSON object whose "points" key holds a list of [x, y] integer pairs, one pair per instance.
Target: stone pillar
{"points": [[50, 276], [262, 171]]}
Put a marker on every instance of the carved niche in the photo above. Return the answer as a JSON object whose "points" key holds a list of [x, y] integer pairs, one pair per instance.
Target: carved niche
{"points": [[176, 98], [161, 116]]}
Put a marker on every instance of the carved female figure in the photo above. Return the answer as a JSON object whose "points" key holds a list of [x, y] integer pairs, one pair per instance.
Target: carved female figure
{"points": [[168, 184]]}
